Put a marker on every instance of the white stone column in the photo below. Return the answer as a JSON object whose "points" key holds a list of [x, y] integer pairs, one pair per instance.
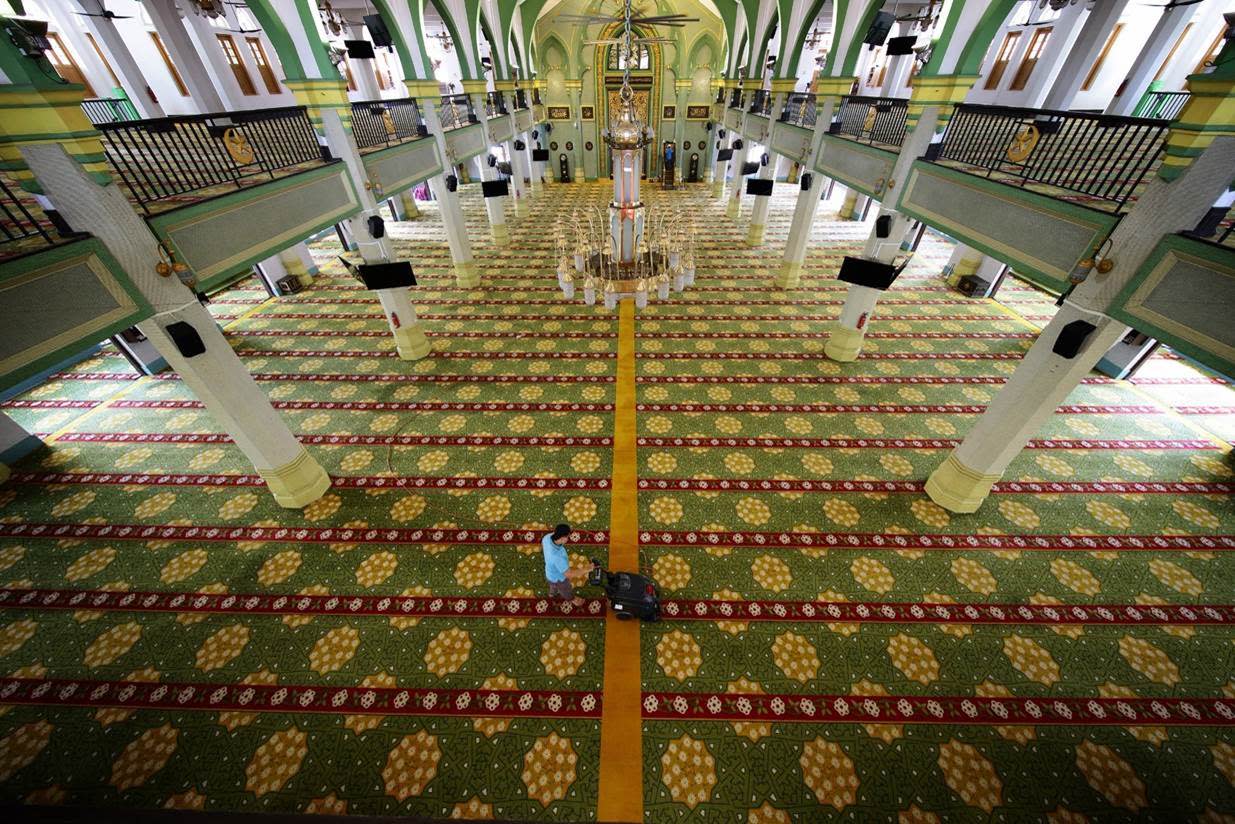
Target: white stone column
{"points": [[964, 261], [410, 339], [1044, 379], [720, 168], [1085, 50], [759, 213], [740, 159], [517, 186], [1167, 30], [111, 41], [298, 260], [184, 54], [534, 170], [466, 274], [216, 376], [804, 209], [494, 206]]}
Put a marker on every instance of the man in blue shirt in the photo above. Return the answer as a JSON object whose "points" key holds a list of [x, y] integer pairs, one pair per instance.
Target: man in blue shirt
{"points": [[557, 564]]}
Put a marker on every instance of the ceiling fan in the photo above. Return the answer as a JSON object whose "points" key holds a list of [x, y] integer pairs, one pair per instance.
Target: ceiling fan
{"points": [[104, 13]]}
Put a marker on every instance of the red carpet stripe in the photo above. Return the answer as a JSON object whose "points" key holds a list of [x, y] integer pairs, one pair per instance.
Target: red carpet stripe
{"points": [[388, 406], [338, 482], [959, 542], [342, 440], [1020, 487], [916, 443], [961, 409]]}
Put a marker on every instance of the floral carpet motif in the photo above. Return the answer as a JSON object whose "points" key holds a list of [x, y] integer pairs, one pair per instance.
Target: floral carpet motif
{"points": [[835, 645]]}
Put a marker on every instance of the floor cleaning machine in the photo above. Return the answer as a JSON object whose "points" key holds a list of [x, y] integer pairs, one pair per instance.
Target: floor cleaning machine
{"points": [[630, 595]]}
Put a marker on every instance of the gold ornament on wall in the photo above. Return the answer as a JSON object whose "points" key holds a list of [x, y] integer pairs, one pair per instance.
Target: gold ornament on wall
{"points": [[238, 147], [1023, 143]]}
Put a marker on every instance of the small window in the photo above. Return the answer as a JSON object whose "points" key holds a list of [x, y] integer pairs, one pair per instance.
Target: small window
{"points": [[234, 60], [171, 67], [64, 64], [1002, 59], [1036, 44], [381, 71], [1171, 54], [1211, 54], [103, 58], [263, 65], [1097, 65], [351, 78]]}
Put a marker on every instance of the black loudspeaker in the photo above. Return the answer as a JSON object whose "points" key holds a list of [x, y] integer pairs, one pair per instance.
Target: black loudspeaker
{"points": [[452, 183], [878, 32], [491, 160], [1071, 338], [387, 275], [724, 155], [377, 226], [738, 144], [806, 180], [708, 126], [750, 167], [721, 134], [495, 188], [187, 341], [359, 49], [758, 186], [883, 226], [763, 159], [520, 145], [548, 128], [902, 45], [870, 273], [541, 155], [535, 134], [377, 30]]}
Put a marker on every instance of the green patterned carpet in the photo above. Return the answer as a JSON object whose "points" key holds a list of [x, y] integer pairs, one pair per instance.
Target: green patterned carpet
{"points": [[388, 651]]}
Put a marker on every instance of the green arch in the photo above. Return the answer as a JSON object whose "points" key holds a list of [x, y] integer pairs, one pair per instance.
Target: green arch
{"points": [[705, 39], [285, 47], [799, 40]]}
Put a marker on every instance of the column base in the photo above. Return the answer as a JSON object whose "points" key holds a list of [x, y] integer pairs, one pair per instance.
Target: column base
{"points": [[957, 488], [754, 234], [466, 274], [789, 276], [734, 208], [844, 344], [297, 484], [521, 207], [500, 232], [718, 189], [411, 342]]}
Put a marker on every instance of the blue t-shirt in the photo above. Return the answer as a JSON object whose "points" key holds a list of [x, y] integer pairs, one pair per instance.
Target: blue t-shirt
{"points": [[556, 559]]}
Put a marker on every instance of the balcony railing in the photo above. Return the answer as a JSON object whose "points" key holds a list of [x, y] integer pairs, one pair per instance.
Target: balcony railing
{"points": [[520, 99], [536, 97], [872, 120], [735, 99], [457, 112], [17, 221], [495, 104], [168, 157], [1162, 105], [761, 103], [1101, 158], [108, 110], [799, 109], [386, 122]]}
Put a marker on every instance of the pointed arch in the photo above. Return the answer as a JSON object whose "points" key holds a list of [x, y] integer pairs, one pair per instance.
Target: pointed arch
{"points": [[704, 40]]}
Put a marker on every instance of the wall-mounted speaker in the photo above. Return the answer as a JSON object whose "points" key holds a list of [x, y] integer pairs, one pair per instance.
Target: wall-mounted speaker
{"points": [[763, 159], [520, 145], [750, 167], [1071, 338], [724, 155], [902, 45], [377, 226], [491, 160], [495, 188], [359, 49], [393, 275], [541, 155], [870, 273], [806, 180], [452, 183], [721, 134], [883, 226], [187, 341], [758, 186], [738, 144]]}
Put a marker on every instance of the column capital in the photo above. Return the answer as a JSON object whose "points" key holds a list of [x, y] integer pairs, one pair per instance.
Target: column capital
{"points": [[684, 85], [423, 89], [574, 85], [470, 87], [943, 90], [48, 115], [504, 85], [827, 87], [1209, 113], [783, 85]]}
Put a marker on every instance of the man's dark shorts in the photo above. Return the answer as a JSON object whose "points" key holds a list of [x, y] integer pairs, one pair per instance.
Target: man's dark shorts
{"points": [[561, 589]]}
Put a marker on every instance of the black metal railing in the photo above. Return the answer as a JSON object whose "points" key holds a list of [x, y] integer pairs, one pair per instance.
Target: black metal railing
{"points": [[520, 99], [720, 95], [735, 99], [17, 221], [536, 97], [872, 119], [1102, 157], [1217, 226], [1162, 105], [761, 102], [108, 110], [386, 122], [171, 156], [457, 112], [495, 104], [799, 109]]}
